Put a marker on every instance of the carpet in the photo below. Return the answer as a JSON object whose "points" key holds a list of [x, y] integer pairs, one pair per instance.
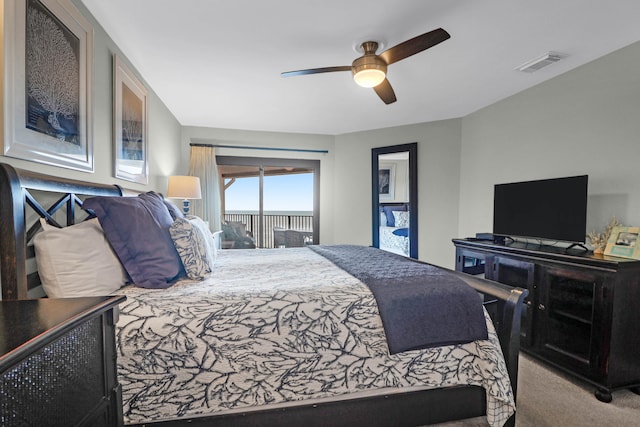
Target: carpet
{"points": [[548, 397]]}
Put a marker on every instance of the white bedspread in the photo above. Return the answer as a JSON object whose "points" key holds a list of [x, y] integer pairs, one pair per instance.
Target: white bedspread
{"points": [[275, 326]]}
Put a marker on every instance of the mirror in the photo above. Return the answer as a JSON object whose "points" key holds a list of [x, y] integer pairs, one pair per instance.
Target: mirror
{"points": [[394, 195]]}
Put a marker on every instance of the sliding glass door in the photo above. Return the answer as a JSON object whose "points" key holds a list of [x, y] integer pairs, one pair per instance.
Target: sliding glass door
{"points": [[277, 200]]}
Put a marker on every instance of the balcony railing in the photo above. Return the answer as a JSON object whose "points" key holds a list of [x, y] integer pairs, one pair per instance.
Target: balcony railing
{"points": [[285, 220]]}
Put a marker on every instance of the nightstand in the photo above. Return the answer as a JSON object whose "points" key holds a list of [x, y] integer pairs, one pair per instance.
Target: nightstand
{"points": [[58, 362]]}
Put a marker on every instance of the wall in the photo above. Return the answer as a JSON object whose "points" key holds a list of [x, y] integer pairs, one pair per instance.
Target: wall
{"points": [[438, 183], [585, 121], [273, 140], [164, 129], [345, 175]]}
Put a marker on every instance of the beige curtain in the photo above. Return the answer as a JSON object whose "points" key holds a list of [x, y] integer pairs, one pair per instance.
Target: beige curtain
{"points": [[202, 163]]}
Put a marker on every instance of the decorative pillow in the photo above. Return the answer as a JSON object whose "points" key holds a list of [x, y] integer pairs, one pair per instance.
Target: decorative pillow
{"points": [[217, 242], [389, 210], [401, 219], [138, 230], [77, 261], [173, 210], [194, 243], [383, 219]]}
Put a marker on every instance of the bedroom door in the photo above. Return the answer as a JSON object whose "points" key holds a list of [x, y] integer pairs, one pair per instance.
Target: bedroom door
{"points": [[394, 195]]}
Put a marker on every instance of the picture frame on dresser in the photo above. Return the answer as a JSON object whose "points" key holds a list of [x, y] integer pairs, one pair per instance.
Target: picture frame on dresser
{"points": [[130, 133], [623, 242], [48, 120]]}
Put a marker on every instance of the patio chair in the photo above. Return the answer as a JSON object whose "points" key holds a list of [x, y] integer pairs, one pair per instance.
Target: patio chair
{"points": [[236, 236], [293, 239]]}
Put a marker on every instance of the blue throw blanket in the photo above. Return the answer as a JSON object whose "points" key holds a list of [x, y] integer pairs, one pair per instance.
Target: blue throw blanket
{"points": [[403, 232], [421, 305]]}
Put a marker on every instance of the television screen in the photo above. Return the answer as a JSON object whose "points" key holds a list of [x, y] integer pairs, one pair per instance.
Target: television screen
{"points": [[552, 209]]}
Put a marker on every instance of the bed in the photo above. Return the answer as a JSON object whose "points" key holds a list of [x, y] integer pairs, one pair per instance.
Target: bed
{"points": [[394, 228], [395, 240], [161, 367]]}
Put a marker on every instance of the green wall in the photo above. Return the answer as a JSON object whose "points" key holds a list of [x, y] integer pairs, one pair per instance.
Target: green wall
{"points": [[586, 121], [164, 129]]}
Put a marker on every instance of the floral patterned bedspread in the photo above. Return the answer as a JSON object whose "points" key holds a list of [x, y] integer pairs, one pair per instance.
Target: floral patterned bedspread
{"points": [[276, 326]]}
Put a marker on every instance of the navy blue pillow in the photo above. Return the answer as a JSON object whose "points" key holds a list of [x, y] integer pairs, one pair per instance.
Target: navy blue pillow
{"points": [[404, 232], [388, 211], [173, 210], [138, 230]]}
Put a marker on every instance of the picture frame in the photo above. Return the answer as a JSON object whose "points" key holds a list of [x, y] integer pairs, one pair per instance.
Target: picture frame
{"points": [[48, 120], [131, 146], [623, 242], [386, 181]]}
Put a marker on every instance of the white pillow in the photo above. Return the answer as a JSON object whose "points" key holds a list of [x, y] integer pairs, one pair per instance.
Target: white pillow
{"points": [[383, 219], [77, 261], [401, 219]]}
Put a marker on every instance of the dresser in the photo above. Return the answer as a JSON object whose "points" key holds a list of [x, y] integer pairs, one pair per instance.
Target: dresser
{"points": [[58, 362], [582, 313]]}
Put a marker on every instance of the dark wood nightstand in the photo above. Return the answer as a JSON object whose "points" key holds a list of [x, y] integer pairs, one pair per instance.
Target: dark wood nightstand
{"points": [[58, 362]]}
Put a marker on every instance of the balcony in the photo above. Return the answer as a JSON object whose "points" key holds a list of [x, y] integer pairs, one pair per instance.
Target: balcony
{"points": [[297, 221]]}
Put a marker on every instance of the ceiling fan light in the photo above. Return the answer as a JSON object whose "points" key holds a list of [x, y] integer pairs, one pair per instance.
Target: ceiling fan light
{"points": [[369, 70], [369, 77]]}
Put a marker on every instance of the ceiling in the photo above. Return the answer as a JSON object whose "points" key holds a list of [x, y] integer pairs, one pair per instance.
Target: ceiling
{"points": [[217, 63]]}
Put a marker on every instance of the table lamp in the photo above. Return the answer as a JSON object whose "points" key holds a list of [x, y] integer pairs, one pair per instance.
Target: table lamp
{"points": [[185, 188]]}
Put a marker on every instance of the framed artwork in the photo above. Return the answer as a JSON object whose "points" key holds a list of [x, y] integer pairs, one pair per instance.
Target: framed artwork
{"points": [[386, 181], [623, 242], [48, 98], [130, 125]]}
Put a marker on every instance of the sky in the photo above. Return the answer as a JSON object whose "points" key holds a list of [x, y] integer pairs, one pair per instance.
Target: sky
{"points": [[281, 193]]}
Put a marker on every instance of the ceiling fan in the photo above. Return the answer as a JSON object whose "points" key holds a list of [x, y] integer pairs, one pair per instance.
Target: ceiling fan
{"points": [[370, 70]]}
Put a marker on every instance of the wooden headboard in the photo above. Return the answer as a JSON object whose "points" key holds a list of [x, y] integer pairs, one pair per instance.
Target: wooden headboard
{"points": [[18, 191]]}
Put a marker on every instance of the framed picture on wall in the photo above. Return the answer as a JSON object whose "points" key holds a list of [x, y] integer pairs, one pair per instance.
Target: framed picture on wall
{"points": [[386, 181], [623, 242], [130, 125], [48, 67]]}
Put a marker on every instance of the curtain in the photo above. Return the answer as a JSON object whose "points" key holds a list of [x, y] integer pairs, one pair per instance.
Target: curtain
{"points": [[202, 163]]}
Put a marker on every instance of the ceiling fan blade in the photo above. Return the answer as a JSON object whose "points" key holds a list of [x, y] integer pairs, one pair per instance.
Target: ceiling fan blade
{"points": [[414, 45], [385, 92], [315, 71]]}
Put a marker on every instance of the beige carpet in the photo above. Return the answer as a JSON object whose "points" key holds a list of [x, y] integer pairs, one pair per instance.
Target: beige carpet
{"points": [[550, 398]]}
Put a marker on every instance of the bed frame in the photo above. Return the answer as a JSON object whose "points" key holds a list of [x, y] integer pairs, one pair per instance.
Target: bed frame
{"points": [[18, 190]]}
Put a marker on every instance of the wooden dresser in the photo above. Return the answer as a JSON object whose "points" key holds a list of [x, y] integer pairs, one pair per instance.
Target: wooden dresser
{"points": [[58, 362], [583, 310]]}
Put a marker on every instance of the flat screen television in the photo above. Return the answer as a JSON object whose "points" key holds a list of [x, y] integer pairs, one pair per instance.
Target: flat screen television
{"points": [[548, 209]]}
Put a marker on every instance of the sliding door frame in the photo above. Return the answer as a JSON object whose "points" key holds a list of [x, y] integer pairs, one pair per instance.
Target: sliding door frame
{"points": [[261, 162]]}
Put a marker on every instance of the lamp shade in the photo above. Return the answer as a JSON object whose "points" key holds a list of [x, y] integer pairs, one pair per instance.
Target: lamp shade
{"points": [[369, 70], [369, 78], [184, 187]]}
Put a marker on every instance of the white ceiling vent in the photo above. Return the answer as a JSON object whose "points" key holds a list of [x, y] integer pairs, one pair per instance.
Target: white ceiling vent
{"points": [[541, 62]]}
